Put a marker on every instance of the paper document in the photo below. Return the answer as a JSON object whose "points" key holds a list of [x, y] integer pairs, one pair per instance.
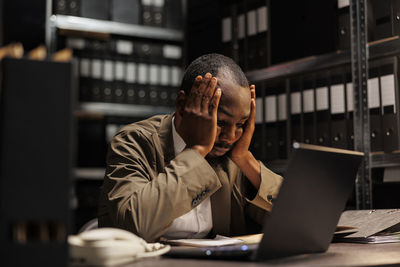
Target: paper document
{"points": [[219, 240]]}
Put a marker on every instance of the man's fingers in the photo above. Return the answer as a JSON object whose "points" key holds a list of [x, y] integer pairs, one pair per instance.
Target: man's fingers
{"points": [[253, 91], [208, 94], [194, 91], [213, 107], [198, 95]]}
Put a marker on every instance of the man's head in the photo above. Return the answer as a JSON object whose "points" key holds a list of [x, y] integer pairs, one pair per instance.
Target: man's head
{"points": [[234, 107]]}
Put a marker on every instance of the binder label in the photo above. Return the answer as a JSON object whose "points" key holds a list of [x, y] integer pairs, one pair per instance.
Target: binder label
{"points": [[322, 98], [142, 73], [343, 3], [262, 19], [154, 74], [124, 47], [308, 100], [373, 93], [241, 26], [282, 110], [350, 97], [131, 72], [270, 109], [295, 102], [85, 67], [164, 75], [226, 30], [388, 90], [96, 68], [108, 74], [119, 70], [259, 107], [337, 99], [251, 23], [172, 51]]}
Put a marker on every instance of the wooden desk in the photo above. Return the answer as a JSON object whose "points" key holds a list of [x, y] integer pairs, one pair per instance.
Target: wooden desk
{"points": [[338, 254]]}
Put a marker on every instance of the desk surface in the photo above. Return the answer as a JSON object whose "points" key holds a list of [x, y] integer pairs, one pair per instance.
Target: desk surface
{"points": [[338, 254]]}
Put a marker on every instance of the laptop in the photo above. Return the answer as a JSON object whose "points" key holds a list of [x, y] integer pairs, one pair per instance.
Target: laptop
{"points": [[317, 184]]}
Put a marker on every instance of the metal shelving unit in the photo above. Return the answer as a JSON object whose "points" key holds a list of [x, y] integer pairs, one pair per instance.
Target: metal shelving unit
{"points": [[358, 58]]}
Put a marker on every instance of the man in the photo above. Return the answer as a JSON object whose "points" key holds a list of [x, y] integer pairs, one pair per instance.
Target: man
{"points": [[191, 174]]}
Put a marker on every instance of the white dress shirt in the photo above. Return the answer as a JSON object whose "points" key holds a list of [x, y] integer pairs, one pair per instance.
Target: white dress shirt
{"points": [[197, 223]]}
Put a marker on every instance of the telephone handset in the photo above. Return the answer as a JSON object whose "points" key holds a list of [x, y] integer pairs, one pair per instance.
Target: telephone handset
{"points": [[110, 246]]}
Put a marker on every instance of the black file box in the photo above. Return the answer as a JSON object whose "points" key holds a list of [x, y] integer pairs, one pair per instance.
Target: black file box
{"points": [[95, 9], [36, 160], [125, 11], [385, 18]]}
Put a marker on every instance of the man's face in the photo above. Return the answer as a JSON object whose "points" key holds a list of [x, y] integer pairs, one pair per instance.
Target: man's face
{"points": [[233, 113]]}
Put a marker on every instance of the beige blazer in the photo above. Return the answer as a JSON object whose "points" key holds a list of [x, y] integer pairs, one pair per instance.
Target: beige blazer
{"points": [[146, 187]]}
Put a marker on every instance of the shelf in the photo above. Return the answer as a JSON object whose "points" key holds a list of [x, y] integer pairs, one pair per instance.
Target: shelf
{"points": [[111, 27], [385, 160], [89, 173], [383, 48], [126, 110]]}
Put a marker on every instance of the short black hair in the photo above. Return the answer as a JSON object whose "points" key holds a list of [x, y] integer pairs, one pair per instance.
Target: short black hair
{"points": [[212, 63]]}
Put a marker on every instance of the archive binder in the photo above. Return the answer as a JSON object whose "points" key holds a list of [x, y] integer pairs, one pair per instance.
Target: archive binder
{"points": [[125, 11], [296, 114], [338, 116], [389, 87], [309, 112], [349, 113], [323, 113], [282, 125], [271, 127], [375, 115]]}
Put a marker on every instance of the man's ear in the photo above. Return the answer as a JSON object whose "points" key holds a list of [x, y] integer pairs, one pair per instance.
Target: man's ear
{"points": [[180, 102]]}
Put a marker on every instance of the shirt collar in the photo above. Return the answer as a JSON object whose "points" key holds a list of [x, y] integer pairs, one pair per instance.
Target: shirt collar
{"points": [[179, 144]]}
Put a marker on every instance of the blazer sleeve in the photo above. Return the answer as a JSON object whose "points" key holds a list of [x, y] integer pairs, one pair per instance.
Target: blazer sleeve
{"points": [[145, 202], [269, 189]]}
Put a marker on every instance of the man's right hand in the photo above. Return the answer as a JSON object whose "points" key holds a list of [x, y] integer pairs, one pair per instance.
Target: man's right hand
{"points": [[198, 126]]}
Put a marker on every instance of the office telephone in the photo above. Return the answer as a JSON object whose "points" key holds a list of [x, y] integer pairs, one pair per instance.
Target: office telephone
{"points": [[111, 246]]}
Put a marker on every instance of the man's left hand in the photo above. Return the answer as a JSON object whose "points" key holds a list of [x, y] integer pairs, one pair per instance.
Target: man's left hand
{"points": [[240, 150]]}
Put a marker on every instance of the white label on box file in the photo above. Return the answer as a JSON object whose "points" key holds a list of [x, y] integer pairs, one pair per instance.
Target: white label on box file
{"points": [[373, 93], [270, 109], [388, 90], [96, 68], [226, 29], [350, 97], [343, 3], [142, 73], [337, 99], [147, 2], [108, 74], [241, 26], [130, 72], [165, 75], [76, 43], [295, 103], [176, 76], [172, 51], [85, 67], [119, 70], [308, 100], [259, 106], [124, 47], [282, 111], [262, 19], [158, 3], [251, 23], [154, 74], [322, 98]]}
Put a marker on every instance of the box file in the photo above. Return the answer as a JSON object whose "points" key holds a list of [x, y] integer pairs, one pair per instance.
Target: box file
{"points": [[125, 11], [95, 9], [308, 101], [173, 14], [256, 146], [296, 119], [349, 114], [375, 114], [338, 113], [271, 129], [282, 125], [323, 113], [385, 18], [390, 121]]}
